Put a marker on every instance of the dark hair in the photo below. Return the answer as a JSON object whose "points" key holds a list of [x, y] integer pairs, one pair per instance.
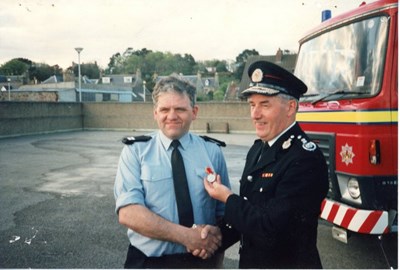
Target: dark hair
{"points": [[177, 84]]}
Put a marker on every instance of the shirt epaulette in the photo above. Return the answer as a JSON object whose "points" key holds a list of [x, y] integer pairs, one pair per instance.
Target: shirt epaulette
{"points": [[209, 139], [132, 139]]}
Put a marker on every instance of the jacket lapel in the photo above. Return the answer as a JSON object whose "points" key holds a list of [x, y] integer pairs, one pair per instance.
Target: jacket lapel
{"points": [[267, 158]]}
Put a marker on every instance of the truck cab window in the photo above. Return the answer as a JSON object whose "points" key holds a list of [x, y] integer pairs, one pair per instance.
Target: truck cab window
{"points": [[349, 58]]}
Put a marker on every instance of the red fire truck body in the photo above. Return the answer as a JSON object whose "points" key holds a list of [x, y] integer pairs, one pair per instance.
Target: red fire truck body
{"points": [[350, 65]]}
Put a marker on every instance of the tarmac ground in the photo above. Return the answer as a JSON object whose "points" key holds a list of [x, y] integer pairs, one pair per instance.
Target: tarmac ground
{"points": [[57, 205]]}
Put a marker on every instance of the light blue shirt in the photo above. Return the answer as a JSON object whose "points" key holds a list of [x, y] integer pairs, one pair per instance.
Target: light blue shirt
{"points": [[144, 177]]}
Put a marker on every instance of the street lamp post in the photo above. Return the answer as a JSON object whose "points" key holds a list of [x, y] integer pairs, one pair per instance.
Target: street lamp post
{"points": [[79, 72], [9, 89], [144, 91]]}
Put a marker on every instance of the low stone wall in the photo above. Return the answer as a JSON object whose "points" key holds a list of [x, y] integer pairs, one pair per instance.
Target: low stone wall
{"points": [[22, 118], [119, 116], [50, 96], [232, 117]]}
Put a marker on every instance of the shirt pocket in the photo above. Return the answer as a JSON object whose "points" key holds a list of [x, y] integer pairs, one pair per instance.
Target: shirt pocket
{"points": [[197, 184], [200, 173], [158, 188]]}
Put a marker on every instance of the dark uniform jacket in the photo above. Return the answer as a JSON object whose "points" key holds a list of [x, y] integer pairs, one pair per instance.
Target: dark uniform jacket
{"points": [[279, 204]]}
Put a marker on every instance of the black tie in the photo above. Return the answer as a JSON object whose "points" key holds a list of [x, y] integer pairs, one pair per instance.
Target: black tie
{"points": [[185, 209]]}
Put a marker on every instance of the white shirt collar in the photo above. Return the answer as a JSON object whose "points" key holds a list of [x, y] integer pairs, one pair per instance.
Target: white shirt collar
{"points": [[271, 142]]}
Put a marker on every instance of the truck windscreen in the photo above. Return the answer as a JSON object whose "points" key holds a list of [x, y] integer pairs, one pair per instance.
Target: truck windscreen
{"points": [[349, 58]]}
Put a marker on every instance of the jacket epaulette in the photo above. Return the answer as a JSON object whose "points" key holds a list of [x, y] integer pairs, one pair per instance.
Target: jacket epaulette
{"points": [[209, 139], [132, 139], [301, 141]]}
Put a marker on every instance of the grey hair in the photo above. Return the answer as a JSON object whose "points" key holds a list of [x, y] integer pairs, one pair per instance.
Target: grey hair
{"points": [[177, 84], [288, 97]]}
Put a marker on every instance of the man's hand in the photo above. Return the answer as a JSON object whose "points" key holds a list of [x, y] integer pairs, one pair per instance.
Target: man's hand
{"points": [[207, 240], [217, 190]]}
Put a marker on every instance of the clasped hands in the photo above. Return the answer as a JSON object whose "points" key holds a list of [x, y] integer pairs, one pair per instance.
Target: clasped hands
{"points": [[209, 241], [210, 236]]}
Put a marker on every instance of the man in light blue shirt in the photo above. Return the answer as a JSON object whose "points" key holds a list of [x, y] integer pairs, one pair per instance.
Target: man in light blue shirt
{"points": [[144, 186]]}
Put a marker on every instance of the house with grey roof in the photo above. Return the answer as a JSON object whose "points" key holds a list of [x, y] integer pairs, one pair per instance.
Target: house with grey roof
{"points": [[204, 85], [118, 88]]}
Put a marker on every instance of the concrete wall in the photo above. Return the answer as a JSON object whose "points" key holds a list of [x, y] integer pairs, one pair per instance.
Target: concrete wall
{"points": [[127, 116], [21, 118], [235, 114], [218, 117]]}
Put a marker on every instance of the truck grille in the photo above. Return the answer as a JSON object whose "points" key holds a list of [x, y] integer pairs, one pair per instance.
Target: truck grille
{"points": [[326, 142]]}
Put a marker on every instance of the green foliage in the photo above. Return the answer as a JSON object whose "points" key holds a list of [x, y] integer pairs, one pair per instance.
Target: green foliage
{"points": [[201, 98], [151, 63], [219, 95], [241, 62], [42, 72], [224, 86], [114, 64], [225, 80], [14, 67], [200, 67], [91, 70], [221, 66]]}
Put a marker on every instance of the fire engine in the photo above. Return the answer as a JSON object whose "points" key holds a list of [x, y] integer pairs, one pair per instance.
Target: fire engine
{"points": [[349, 64]]}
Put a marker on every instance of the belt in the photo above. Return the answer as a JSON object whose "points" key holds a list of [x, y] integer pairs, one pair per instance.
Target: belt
{"points": [[137, 259]]}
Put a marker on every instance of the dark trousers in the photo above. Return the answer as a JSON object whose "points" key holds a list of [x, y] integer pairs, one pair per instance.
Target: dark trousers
{"points": [[137, 259]]}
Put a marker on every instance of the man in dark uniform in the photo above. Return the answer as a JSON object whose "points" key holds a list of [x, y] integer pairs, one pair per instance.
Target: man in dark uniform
{"points": [[284, 180]]}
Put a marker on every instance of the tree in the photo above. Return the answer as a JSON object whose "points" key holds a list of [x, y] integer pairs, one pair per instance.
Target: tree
{"points": [[150, 62], [218, 95], [91, 70], [221, 66], [200, 67], [131, 64], [114, 63], [42, 71], [142, 52], [14, 67], [241, 62], [190, 62]]}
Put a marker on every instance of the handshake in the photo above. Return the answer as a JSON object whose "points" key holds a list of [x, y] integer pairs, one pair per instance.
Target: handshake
{"points": [[210, 236], [203, 241]]}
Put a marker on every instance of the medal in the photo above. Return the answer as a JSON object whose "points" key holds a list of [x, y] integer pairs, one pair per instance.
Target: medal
{"points": [[286, 144], [211, 176]]}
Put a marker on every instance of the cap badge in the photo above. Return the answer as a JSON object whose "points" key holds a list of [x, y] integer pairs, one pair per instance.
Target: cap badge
{"points": [[257, 75]]}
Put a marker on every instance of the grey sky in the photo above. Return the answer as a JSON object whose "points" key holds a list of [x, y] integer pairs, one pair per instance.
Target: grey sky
{"points": [[48, 30]]}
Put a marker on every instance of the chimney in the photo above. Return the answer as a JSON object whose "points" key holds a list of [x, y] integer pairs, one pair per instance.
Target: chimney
{"points": [[216, 78], [278, 56]]}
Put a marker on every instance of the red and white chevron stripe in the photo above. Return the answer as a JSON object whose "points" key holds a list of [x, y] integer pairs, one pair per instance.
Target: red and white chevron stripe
{"points": [[353, 219]]}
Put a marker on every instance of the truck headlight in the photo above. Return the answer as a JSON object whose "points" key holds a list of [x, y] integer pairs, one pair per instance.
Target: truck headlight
{"points": [[349, 188], [353, 188]]}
